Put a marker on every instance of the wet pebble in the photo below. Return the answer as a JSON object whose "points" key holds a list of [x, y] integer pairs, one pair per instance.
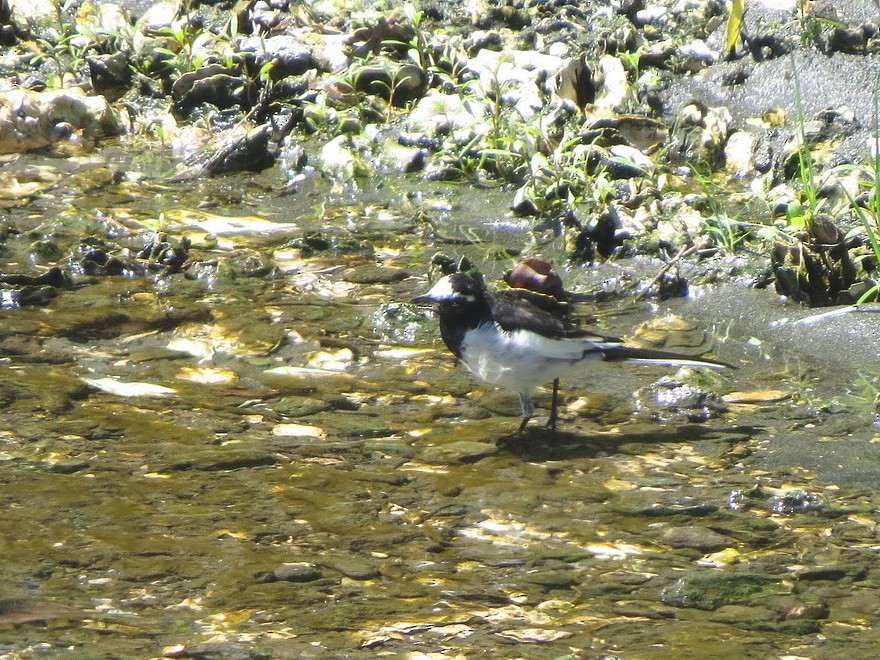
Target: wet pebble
{"points": [[218, 649], [223, 459], [355, 568], [709, 591], [832, 573], [17, 610], [463, 451], [754, 531], [642, 608], [742, 614], [807, 611], [388, 449], [698, 538], [297, 572], [855, 605], [351, 424], [299, 406], [490, 554], [68, 466], [501, 403], [389, 477], [372, 274], [647, 504], [669, 397], [340, 401], [622, 581], [794, 502], [559, 579]]}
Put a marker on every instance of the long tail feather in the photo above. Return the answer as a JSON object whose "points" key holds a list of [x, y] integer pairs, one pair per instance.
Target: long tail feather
{"points": [[653, 356]]}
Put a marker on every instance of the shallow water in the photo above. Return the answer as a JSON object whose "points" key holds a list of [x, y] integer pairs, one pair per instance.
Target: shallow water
{"points": [[319, 479]]}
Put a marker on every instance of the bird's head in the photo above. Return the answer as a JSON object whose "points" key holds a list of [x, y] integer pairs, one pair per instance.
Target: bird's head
{"points": [[451, 291]]}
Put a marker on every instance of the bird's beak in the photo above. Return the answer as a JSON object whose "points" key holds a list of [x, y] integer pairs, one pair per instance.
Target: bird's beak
{"points": [[424, 299]]}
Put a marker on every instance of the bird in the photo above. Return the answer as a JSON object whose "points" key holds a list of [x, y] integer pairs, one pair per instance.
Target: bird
{"points": [[510, 342], [535, 280]]}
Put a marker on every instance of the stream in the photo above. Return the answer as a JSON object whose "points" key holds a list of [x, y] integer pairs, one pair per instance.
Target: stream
{"points": [[269, 453]]}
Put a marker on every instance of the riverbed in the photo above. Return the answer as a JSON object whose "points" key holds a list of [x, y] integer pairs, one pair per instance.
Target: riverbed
{"points": [[269, 453]]}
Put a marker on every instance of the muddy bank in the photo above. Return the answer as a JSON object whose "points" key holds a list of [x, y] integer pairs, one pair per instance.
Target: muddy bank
{"points": [[839, 361]]}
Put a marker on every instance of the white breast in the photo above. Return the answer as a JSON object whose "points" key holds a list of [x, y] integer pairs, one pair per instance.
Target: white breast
{"points": [[521, 360]]}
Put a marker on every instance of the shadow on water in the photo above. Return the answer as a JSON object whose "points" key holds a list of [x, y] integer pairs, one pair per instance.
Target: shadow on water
{"points": [[542, 445]]}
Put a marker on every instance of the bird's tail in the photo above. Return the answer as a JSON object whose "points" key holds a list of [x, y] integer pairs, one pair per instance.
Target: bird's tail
{"points": [[618, 353]]}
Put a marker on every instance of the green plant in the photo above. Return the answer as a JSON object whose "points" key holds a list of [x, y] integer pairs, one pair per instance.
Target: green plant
{"points": [[868, 221], [448, 64], [418, 50], [602, 188], [501, 146], [317, 114], [811, 24], [801, 217], [64, 56], [182, 56], [865, 388], [869, 216], [734, 25], [728, 233], [66, 43]]}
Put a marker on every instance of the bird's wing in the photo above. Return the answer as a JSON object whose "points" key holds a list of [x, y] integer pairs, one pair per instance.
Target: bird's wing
{"points": [[528, 342], [532, 328], [512, 313]]}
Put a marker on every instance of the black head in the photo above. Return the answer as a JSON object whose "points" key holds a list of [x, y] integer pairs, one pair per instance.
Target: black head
{"points": [[452, 292], [461, 304]]}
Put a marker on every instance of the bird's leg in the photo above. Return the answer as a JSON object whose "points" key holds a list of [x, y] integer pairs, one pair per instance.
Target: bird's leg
{"points": [[528, 409], [554, 407]]}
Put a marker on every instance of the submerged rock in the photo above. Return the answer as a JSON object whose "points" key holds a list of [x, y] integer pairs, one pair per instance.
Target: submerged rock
{"points": [[462, 451], [33, 120], [709, 591], [297, 572], [669, 397], [372, 274], [699, 538], [20, 290]]}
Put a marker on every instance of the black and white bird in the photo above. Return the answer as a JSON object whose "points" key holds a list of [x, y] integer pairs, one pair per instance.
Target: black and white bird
{"points": [[510, 342]]}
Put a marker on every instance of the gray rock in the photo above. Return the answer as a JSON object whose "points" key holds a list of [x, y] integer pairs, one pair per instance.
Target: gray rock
{"points": [[559, 579], [222, 650], [68, 466], [699, 538], [709, 591], [297, 572], [287, 55], [372, 274], [356, 568], [214, 84], [464, 451], [299, 406]]}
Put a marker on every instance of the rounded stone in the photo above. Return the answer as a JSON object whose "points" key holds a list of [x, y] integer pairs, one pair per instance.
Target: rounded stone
{"points": [[299, 571]]}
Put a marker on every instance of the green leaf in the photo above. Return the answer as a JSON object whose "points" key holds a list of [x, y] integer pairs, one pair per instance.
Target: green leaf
{"points": [[734, 24]]}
